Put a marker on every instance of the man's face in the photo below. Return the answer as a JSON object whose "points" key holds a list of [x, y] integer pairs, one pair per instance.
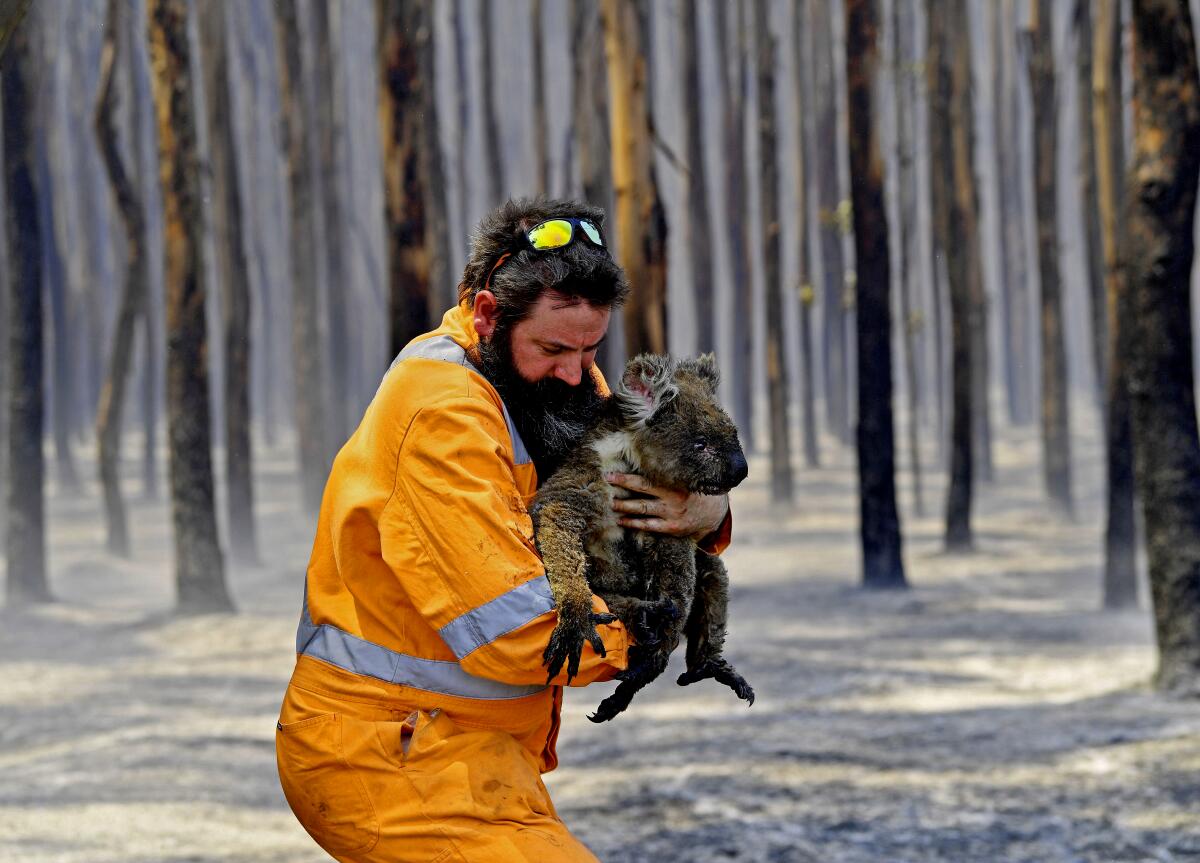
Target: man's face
{"points": [[558, 340], [541, 368]]}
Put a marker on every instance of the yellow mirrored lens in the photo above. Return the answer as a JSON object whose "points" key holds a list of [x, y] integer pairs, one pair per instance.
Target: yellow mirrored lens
{"points": [[551, 235]]}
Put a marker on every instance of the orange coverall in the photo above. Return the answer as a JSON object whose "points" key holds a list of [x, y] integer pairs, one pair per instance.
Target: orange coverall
{"points": [[418, 720]]}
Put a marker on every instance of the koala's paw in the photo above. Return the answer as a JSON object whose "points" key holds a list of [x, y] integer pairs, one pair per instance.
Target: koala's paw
{"points": [[649, 622], [722, 672], [567, 640]]}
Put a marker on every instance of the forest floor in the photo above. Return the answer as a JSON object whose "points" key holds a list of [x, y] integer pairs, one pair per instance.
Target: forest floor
{"points": [[990, 713]]}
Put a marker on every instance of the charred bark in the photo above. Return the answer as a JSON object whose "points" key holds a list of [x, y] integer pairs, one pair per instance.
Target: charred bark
{"points": [[777, 388], [904, 50], [497, 184], [699, 224], [308, 371], [801, 50], [330, 129], [1056, 445], [1120, 534], [641, 218], [26, 542], [233, 271], [1094, 252], [733, 73], [541, 137], [132, 306], [945, 69], [401, 96], [883, 566], [829, 204], [1158, 250], [199, 568]]}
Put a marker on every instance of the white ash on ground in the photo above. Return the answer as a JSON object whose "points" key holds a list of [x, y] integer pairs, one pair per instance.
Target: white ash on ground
{"points": [[992, 712]]}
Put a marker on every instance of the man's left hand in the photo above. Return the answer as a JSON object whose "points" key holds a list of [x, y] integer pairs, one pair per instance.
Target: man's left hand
{"points": [[667, 510]]}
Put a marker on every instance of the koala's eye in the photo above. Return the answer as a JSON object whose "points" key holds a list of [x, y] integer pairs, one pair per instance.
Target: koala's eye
{"points": [[699, 444]]}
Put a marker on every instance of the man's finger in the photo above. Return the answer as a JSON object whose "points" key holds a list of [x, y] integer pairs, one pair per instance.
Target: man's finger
{"points": [[636, 505], [655, 525], [631, 481]]}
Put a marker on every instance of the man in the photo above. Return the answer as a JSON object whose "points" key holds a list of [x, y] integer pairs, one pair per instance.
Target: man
{"points": [[418, 717]]}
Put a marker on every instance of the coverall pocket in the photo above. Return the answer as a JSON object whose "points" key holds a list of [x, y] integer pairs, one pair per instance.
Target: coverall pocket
{"points": [[327, 796], [476, 774]]}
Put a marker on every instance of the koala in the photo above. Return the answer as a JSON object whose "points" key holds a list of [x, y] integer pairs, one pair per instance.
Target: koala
{"points": [[663, 422]]}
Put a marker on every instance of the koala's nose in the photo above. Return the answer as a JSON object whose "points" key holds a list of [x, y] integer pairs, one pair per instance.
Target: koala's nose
{"points": [[738, 469]]}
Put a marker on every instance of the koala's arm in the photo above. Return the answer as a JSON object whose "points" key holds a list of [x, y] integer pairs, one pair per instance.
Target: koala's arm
{"points": [[481, 587]]}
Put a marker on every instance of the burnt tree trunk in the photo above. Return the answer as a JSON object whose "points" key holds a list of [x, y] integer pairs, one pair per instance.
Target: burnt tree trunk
{"points": [[1014, 281], [593, 148], [151, 337], [1158, 250], [233, 271], [199, 568], [733, 73], [777, 388], [966, 186], [833, 291], [400, 100], [133, 295], [801, 50], [904, 52], [331, 150], [883, 566], [1056, 445], [699, 225], [26, 541], [12, 12], [493, 142], [1094, 252], [945, 70], [641, 222], [1120, 534], [308, 371], [541, 137], [462, 63]]}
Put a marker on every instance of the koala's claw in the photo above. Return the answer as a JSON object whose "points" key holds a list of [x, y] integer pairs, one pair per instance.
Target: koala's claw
{"points": [[722, 672], [566, 644]]}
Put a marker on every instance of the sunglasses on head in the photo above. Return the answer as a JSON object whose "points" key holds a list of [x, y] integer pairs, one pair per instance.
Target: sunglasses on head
{"points": [[557, 233], [553, 234]]}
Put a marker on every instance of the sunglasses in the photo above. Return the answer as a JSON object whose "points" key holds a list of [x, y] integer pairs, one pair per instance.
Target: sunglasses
{"points": [[552, 234], [557, 233]]}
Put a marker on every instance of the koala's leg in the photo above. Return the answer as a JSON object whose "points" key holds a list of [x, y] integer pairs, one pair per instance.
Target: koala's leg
{"points": [[666, 564], [560, 530], [705, 629]]}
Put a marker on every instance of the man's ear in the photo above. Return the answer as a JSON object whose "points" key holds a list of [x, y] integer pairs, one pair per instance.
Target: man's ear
{"points": [[486, 313], [645, 386]]}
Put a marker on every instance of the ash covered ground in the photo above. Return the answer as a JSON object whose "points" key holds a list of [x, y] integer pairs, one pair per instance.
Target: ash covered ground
{"points": [[990, 713]]}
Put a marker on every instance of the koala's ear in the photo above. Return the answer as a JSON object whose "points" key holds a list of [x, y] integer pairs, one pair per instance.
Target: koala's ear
{"points": [[645, 386], [705, 367]]}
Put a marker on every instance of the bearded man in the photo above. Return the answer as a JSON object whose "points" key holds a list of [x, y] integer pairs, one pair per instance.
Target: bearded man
{"points": [[418, 718]]}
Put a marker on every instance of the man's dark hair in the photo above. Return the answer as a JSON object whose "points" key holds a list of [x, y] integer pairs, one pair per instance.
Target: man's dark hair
{"points": [[577, 271]]}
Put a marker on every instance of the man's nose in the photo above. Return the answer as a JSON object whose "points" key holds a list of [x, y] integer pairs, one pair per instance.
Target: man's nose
{"points": [[569, 371]]}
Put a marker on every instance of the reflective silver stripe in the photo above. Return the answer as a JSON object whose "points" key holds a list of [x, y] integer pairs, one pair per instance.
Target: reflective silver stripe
{"points": [[446, 349], [506, 612], [337, 647]]}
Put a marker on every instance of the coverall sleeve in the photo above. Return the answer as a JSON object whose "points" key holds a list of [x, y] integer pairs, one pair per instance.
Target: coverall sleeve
{"points": [[481, 583]]}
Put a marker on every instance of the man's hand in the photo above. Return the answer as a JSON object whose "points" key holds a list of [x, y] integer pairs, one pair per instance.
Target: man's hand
{"points": [[666, 510]]}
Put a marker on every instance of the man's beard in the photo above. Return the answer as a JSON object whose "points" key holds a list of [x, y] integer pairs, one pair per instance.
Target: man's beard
{"points": [[550, 415]]}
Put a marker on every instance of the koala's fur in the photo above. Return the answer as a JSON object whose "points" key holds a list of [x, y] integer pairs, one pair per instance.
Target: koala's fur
{"points": [[663, 422]]}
